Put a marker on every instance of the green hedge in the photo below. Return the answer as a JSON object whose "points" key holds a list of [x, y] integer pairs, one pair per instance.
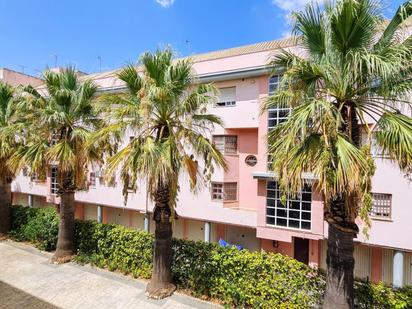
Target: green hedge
{"points": [[237, 278], [37, 225]]}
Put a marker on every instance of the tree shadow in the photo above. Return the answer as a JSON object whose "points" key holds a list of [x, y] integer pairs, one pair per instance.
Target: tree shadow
{"points": [[11, 298]]}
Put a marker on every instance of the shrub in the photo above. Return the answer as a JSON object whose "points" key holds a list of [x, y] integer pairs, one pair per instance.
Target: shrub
{"points": [[238, 278], [381, 296], [39, 226]]}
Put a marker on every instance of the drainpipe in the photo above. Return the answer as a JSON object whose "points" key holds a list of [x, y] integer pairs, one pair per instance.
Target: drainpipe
{"points": [[30, 200], [207, 231], [99, 214], [146, 221], [398, 258]]}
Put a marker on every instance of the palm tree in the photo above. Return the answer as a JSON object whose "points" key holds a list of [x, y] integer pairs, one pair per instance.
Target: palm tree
{"points": [[61, 120], [10, 125], [167, 114], [356, 70]]}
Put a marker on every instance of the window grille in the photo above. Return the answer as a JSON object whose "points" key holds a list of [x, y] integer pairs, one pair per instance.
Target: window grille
{"points": [[381, 205], [226, 191], [54, 184], [226, 144]]}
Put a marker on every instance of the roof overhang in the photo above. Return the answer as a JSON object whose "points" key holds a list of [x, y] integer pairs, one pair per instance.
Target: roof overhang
{"points": [[212, 77], [273, 175]]}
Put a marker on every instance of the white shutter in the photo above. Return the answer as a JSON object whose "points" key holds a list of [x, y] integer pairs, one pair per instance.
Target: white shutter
{"points": [[227, 94], [362, 255], [387, 266], [408, 269]]}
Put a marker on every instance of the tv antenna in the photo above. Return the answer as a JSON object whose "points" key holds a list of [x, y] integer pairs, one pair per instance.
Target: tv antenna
{"points": [[22, 67], [189, 47], [99, 63]]}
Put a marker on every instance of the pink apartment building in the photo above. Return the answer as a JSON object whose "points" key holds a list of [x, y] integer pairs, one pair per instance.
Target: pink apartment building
{"points": [[242, 206]]}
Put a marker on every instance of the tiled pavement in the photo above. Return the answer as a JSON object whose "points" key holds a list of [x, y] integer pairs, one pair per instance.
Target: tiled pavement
{"points": [[28, 280]]}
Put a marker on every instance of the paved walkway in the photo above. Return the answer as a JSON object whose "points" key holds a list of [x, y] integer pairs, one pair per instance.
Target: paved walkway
{"points": [[28, 280]]}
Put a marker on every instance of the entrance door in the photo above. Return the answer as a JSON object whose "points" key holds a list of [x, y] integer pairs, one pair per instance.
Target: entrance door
{"points": [[301, 249]]}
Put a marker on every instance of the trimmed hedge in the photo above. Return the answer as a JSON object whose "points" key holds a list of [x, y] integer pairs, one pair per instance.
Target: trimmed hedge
{"points": [[37, 225], [237, 278]]}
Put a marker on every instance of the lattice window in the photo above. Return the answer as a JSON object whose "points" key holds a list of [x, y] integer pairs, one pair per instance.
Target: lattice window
{"points": [[226, 144], [224, 191], [294, 212], [381, 205], [92, 179], [54, 183]]}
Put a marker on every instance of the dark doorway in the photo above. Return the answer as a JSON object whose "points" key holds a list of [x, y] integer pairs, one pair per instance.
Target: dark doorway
{"points": [[301, 249]]}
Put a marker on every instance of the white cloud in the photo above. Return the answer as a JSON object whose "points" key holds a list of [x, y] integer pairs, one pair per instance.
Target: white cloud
{"points": [[291, 5], [165, 3]]}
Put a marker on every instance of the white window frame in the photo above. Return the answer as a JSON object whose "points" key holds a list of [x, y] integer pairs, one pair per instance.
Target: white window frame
{"points": [[276, 212]]}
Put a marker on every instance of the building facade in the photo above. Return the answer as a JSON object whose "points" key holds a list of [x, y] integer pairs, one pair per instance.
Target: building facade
{"points": [[243, 205]]}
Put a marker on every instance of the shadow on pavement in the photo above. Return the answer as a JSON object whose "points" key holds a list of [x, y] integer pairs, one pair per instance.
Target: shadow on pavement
{"points": [[11, 298]]}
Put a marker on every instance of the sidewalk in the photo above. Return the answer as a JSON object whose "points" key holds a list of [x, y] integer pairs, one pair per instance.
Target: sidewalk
{"points": [[28, 280]]}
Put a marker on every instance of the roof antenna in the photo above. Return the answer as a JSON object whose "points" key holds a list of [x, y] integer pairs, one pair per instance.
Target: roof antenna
{"points": [[55, 59], [189, 48], [22, 67], [99, 63]]}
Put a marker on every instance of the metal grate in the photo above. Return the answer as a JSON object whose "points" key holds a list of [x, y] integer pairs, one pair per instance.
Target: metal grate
{"points": [[54, 184], [381, 205], [226, 144], [224, 191], [92, 179]]}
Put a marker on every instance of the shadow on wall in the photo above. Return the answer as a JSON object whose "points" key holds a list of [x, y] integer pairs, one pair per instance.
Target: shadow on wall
{"points": [[12, 297]]}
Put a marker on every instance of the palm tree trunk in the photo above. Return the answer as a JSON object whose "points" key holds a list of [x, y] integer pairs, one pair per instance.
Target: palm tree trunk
{"points": [[340, 264], [65, 248], [161, 284], [5, 203], [342, 212]]}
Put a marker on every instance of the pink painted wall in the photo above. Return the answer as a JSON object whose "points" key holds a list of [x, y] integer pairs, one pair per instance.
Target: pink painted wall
{"points": [[16, 78]]}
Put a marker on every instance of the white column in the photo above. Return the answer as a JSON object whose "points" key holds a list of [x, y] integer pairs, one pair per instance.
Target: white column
{"points": [[207, 231], [99, 214], [398, 260], [146, 222], [30, 200]]}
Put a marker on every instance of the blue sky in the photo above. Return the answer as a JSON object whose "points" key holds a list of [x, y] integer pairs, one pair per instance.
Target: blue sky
{"points": [[32, 32]]}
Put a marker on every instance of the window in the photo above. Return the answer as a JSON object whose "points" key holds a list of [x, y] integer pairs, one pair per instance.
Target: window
{"points": [[295, 212], [34, 177], [226, 144], [55, 137], [274, 82], [227, 97], [54, 185], [224, 191], [277, 116], [381, 205], [92, 179]]}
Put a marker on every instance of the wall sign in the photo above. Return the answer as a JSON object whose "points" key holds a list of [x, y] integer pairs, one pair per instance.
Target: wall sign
{"points": [[251, 160]]}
